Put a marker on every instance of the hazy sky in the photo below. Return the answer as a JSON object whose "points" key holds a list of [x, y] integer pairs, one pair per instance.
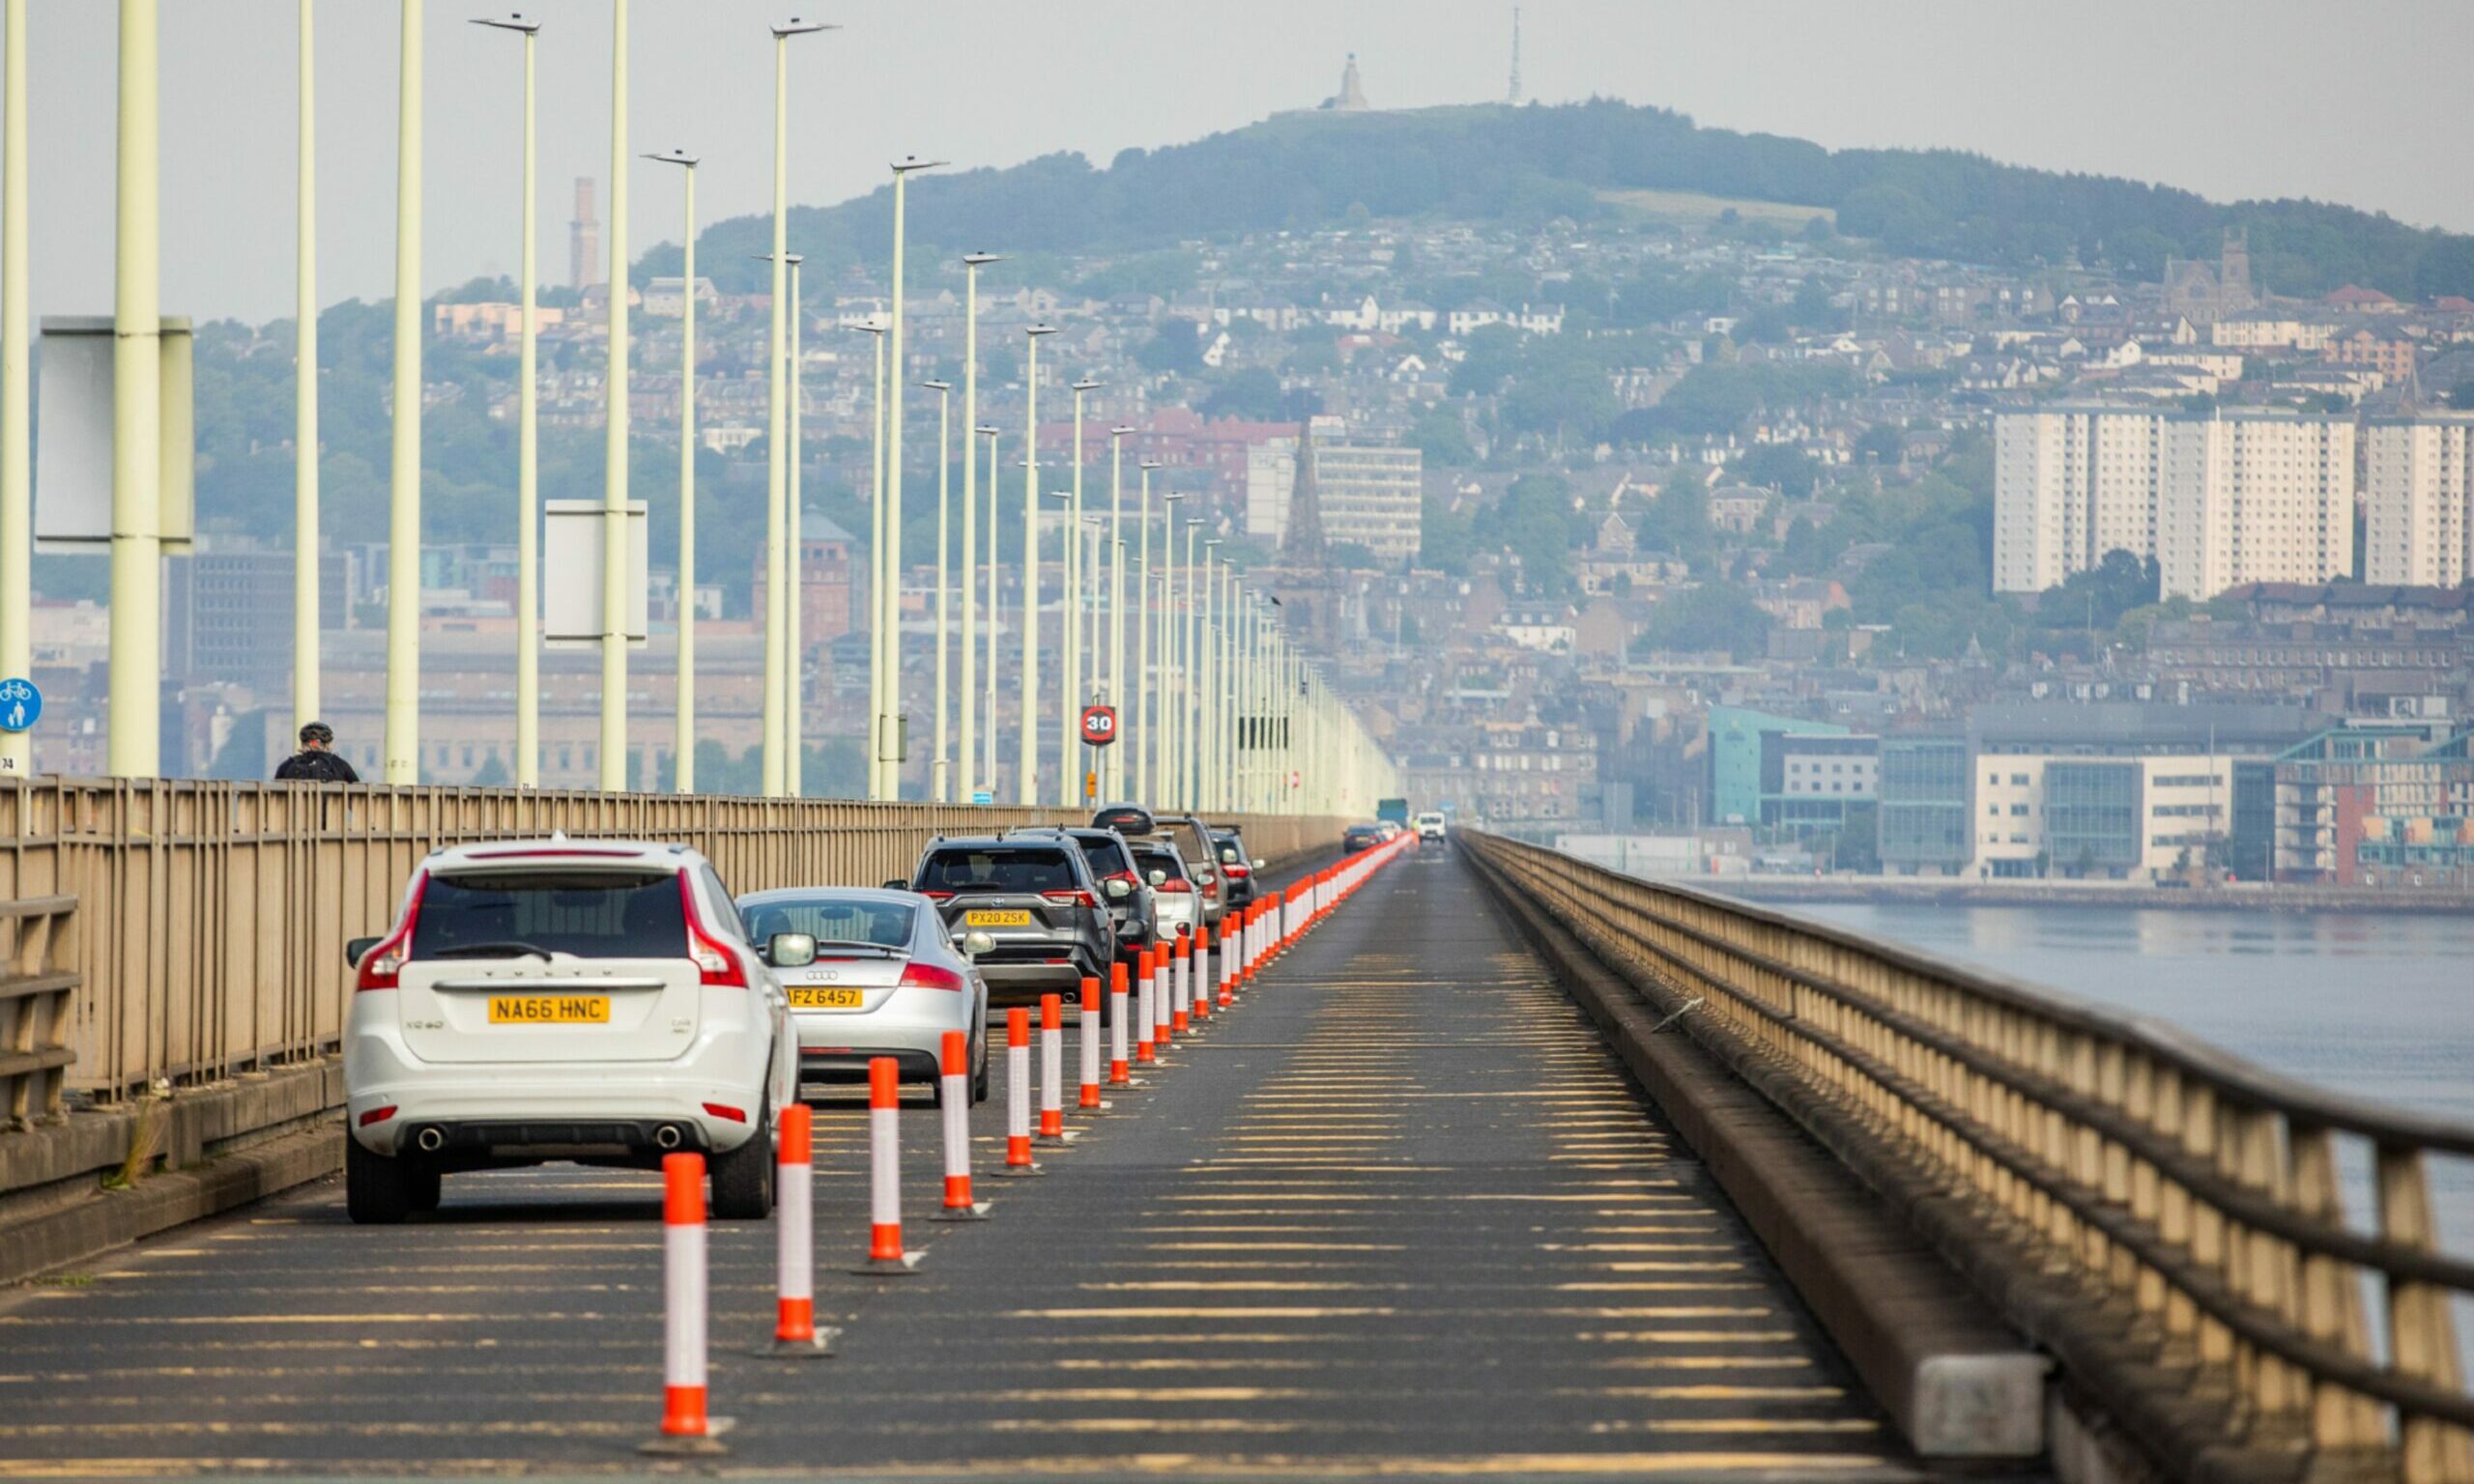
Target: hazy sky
{"points": [[2361, 103]]}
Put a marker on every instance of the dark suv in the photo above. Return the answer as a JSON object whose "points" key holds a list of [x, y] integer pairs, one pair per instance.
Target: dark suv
{"points": [[1035, 898], [1121, 887], [1236, 867]]}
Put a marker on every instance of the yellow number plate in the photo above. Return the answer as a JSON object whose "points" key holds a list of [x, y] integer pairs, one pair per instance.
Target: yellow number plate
{"points": [[826, 999], [550, 1009], [1011, 919]]}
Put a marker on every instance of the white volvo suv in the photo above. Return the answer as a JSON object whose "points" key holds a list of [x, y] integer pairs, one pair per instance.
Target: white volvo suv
{"points": [[589, 999]]}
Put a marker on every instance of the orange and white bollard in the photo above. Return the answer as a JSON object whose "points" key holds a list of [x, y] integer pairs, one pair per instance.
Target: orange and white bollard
{"points": [[684, 1426], [1145, 1046], [1163, 1024], [1052, 1067], [1180, 986], [1228, 940], [954, 1103], [796, 1335], [1198, 973], [1017, 1093], [886, 1258], [1089, 1099], [1119, 1072]]}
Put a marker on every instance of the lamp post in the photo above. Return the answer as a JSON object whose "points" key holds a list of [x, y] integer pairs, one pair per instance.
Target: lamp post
{"points": [[1077, 693], [1069, 615], [878, 578], [1143, 684], [402, 757], [941, 779], [888, 783], [1207, 651], [1190, 653], [974, 779], [794, 613], [1027, 783], [615, 566], [683, 743], [777, 609], [306, 697], [987, 702], [1171, 783], [16, 427], [1113, 764], [527, 428]]}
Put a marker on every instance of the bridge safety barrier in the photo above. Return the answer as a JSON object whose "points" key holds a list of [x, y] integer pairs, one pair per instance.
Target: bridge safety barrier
{"points": [[39, 981], [2242, 1271], [211, 916]]}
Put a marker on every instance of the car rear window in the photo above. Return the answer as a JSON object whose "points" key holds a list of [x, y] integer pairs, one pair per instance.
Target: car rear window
{"points": [[1007, 869], [831, 920], [1106, 857], [591, 914], [1159, 858]]}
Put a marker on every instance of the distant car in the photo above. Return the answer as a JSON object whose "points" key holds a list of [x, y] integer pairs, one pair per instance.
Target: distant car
{"points": [[1361, 837], [1236, 868], [1201, 855], [1175, 902], [1121, 887], [882, 977], [1392, 828], [1431, 825], [1035, 898], [559, 999]]}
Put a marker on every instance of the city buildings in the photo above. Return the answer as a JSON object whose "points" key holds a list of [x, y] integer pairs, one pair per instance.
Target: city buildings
{"points": [[2418, 499], [2216, 499]]}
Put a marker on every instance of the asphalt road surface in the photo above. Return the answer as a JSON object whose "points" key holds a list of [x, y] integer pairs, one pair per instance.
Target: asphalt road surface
{"points": [[1399, 1212]]}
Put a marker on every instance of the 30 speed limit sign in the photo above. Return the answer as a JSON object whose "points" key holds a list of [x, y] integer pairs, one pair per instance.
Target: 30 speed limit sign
{"points": [[1099, 725]]}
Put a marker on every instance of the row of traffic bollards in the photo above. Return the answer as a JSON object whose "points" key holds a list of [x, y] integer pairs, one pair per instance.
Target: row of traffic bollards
{"points": [[1173, 991]]}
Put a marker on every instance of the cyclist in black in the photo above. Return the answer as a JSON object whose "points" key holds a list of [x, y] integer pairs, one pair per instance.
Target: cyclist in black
{"points": [[317, 762]]}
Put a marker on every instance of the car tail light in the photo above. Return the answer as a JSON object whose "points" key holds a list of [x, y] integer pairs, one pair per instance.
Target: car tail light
{"points": [[927, 975], [381, 966], [1239, 872], [716, 966], [725, 1110], [1176, 886], [938, 896], [377, 1115], [1077, 897]]}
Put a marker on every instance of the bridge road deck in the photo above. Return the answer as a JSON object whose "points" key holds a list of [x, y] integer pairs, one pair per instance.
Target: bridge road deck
{"points": [[1401, 1210]]}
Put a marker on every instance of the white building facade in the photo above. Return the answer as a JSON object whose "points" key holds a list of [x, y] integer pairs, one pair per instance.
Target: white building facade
{"points": [[2216, 499], [2418, 499]]}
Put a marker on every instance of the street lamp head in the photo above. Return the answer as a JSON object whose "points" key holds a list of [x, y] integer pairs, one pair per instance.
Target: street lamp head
{"points": [[794, 259], [1088, 385], [870, 327], [1148, 464], [678, 158], [910, 162], [1036, 330], [515, 21], [1173, 496], [981, 258], [936, 386], [1120, 431], [799, 26], [988, 431]]}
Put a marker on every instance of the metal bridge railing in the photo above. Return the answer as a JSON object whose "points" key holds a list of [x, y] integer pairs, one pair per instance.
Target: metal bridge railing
{"points": [[212, 917], [2211, 1204], [38, 976]]}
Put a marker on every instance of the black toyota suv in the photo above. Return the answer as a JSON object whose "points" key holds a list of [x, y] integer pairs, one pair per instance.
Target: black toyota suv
{"points": [[1035, 896], [1121, 885]]}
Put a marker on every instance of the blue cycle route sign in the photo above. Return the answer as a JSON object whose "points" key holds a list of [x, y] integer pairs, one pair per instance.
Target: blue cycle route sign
{"points": [[21, 705], [982, 796]]}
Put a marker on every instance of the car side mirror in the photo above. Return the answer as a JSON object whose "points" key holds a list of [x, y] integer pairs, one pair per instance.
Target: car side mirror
{"points": [[897, 884], [1262, 865], [974, 944], [1120, 889], [356, 950], [789, 950], [1159, 877]]}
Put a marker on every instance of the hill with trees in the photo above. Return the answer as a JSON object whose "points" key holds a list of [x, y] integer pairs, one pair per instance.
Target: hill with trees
{"points": [[1496, 162]]}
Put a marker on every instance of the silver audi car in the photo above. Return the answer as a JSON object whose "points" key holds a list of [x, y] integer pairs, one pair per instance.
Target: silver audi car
{"points": [[884, 979]]}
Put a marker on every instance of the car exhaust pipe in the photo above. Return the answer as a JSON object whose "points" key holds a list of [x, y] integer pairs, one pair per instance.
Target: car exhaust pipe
{"points": [[430, 1140], [666, 1137]]}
